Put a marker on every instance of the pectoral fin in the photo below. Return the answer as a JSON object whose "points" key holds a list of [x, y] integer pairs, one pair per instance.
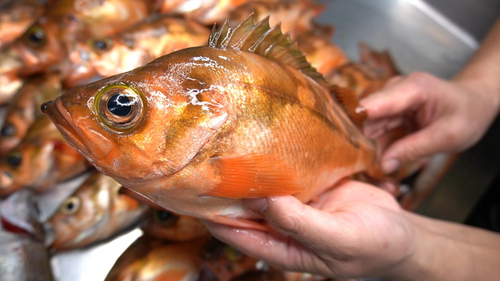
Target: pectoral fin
{"points": [[254, 176]]}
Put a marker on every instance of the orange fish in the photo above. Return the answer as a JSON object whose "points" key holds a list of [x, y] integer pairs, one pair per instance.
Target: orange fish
{"points": [[200, 129], [166, 225], [24, 108], [145, 41], [366, 76], [95, 212], [204, 11], [224, 262], [150, 259], [42, 159], [49, 40], [16, 16], [294, 16]]}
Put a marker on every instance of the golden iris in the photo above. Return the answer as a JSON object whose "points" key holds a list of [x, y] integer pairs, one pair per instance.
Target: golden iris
{"points": [[120, 107], [35, 37], [71, 205]]}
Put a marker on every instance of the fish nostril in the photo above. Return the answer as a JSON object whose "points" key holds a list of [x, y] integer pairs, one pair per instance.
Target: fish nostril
{"points": [[6, 179]]}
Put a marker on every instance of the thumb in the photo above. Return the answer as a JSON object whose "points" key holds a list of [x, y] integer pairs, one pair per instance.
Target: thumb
{"points": [[311, 227], [416, 146]]}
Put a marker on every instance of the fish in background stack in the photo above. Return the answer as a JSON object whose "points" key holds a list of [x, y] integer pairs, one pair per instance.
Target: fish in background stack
{"points": [[95, 212]]}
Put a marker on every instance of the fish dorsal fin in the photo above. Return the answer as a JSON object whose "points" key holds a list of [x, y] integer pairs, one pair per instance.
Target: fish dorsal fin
{"points": [[263, 40], [270, 42]]}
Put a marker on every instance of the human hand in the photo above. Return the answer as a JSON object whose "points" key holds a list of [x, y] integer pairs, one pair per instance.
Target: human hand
{"points": [[450, 116], [354, 230]]}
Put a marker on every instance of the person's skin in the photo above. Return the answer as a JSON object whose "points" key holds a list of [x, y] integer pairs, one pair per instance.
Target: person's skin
{"points": [[451, 115], [358, 230]]}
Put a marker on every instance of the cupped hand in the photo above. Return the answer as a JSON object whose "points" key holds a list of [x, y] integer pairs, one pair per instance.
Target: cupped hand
{"points": [[450, 116], [354, 230]]}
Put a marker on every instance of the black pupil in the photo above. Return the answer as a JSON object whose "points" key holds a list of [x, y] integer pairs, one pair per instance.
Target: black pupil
{"points": [[70, 206], [37, 36], [8, 130], [119, 105], [100, 45], [14, 160], [163, 216]]}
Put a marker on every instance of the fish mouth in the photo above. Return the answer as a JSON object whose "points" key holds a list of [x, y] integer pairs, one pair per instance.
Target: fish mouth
{"points": [[61, 118]]}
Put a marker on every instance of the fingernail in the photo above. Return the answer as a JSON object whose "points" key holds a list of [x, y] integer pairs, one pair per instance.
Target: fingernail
{"points": [[258, 205], [390, 166], [360, 109]]}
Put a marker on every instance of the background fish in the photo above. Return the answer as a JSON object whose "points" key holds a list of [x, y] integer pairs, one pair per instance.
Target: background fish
{"points": [[147, 40], [167, 225], [95, 212], [24, 108], [16, 16], [199, 129], [41, 159], [150, 259]]}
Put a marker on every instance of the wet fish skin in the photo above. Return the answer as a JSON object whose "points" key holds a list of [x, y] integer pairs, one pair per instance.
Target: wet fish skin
{"points": [[203, 119], [24, 108], [95, 212], [167, 225], [41, 159], [154, 260]]}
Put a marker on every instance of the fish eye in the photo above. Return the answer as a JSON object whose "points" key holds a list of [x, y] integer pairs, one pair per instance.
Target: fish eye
{"points": [[100, 45], [14, 159], [8, 130], [71, 205], [35, 37], [166, 219], [120, 107]]}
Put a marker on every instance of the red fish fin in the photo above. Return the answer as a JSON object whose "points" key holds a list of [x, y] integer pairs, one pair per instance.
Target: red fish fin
{"points": [[254, 176], [350, 103], [241, 223]]}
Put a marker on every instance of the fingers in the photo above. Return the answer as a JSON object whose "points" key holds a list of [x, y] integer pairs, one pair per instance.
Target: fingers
{"points": [[399, 96], [276, 249], [314, 229], [421, 144]]}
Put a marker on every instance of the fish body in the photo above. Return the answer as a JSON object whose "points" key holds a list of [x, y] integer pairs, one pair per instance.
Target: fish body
{"points": [[295, 16], [95, 212], [224, 262], [147, 40], [366, 76], [23, 259], [205, 127], [206, 12], [150, 259], [24, 108], [16, 16], [41, 159], [166, 225]]}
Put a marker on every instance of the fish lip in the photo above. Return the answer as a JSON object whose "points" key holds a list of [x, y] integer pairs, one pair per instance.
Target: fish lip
{"points": [[61, 118]]}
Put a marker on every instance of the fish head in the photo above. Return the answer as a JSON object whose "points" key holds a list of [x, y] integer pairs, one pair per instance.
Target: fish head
{"points": [[84, 214], [36, 50], [167, 225], [30, 164], [110, 55], [25, 107], [141, 125]]}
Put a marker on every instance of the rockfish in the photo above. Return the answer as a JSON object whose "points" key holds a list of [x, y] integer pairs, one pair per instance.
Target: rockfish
{"points": [[198, 130]]}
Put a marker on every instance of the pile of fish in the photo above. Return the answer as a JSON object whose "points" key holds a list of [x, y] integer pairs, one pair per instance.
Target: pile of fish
{"points": [[175, 130]]}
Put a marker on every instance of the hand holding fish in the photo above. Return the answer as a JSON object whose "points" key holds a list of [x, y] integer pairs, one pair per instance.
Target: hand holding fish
{"points": [[358, 231], [451, 115]]}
